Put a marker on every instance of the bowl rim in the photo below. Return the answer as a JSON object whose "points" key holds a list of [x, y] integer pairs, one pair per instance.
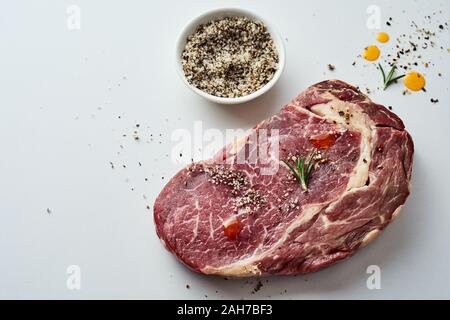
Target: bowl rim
{"points": [[224, 11]]}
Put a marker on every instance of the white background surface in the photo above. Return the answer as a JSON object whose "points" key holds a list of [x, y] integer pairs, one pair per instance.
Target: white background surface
{"points": [[62, 92]]}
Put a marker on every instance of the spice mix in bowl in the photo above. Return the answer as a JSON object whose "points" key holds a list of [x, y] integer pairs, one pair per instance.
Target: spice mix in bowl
{"points": [[230, 56]]}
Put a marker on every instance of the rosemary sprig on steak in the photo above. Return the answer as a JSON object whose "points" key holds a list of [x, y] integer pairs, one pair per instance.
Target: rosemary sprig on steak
{"points": [[390, 79], [302, 169]]}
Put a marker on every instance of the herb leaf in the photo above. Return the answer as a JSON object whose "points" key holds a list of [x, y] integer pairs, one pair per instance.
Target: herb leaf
{"points": [[303, 169], [390, 79], [391, 73], [297, 176], [396, 78], [382, 72]]}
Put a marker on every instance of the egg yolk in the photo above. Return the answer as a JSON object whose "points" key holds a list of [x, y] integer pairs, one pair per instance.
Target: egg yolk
{"points": [[414, 81], [371, 53], [383, 37]]}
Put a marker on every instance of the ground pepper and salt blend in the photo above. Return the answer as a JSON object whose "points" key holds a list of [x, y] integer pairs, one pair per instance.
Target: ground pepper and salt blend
{"points": [[231, 57]]}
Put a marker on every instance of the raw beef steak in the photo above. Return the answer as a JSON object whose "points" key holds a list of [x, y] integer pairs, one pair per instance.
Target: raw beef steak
{"points": [[234, 216]]}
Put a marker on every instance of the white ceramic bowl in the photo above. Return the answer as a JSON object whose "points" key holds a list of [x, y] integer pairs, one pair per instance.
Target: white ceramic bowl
{"points": [[215, 15]]}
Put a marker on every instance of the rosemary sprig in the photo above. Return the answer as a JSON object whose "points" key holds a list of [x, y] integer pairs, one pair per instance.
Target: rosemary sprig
{"points": [[302, 169], [387, 81]]}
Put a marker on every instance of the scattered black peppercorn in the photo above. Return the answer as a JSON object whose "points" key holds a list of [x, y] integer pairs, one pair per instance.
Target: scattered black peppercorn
{"points": [[257, 287]]}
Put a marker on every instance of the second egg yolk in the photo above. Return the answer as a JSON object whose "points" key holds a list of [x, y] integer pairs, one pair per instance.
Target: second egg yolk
{"points": [[371, 53], [414, 81], [383, 37]]}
